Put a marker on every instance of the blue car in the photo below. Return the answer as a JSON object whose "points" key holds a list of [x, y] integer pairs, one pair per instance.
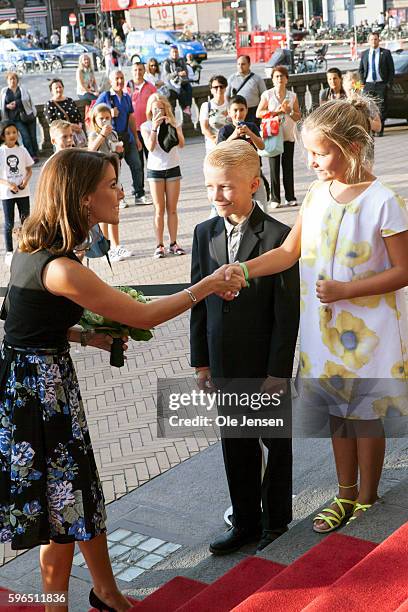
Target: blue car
{"points": [[18, 49], [143, 44]]}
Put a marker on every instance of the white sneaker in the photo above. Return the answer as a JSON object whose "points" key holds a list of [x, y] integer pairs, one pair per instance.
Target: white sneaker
{"points": [[143, 200], [123, 204], [114, 255], [8, 258], [291, 203], [124, 253], [274, 204]]}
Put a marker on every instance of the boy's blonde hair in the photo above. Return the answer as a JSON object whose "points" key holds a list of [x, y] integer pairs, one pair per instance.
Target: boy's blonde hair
{"points": [[346, 123], [58, 125], [98, 108], [236, 154], [156, 97]]}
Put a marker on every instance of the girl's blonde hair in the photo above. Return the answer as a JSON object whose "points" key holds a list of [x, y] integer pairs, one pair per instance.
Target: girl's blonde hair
{"points": [[156, 97], [81, 62], [352, 75], [236, 154], [346, 123], [98, 108], [60, 221]]}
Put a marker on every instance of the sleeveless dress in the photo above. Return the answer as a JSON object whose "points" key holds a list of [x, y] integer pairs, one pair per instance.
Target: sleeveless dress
{"points": [[353, 353], [49, 483]]}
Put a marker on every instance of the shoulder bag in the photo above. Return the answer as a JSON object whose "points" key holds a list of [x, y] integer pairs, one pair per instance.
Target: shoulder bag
{"points": [[236, 91]]}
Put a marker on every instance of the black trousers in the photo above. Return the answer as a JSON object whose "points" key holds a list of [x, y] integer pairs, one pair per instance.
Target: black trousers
{"points": [[287, 169], [185, 96], [379, 92], [243, 464]]}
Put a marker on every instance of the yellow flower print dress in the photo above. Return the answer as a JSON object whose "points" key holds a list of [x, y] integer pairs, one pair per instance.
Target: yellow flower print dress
{"points": [[355, 350]]}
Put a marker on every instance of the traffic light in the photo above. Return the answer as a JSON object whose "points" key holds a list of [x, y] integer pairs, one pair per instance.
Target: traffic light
{"points": [[81, 20]]}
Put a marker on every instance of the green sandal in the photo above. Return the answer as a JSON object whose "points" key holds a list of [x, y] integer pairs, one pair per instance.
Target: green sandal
{"points": [[358, 506], [336, 520]]}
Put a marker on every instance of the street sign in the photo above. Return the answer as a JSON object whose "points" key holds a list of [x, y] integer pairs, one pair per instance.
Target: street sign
{"points": [[72, 19]]}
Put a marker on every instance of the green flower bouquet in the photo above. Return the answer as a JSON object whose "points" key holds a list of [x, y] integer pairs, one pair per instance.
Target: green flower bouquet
{"points": [[90, 321]]}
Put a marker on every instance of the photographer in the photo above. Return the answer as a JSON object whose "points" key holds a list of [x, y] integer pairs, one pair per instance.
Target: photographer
{"points": [[175, 74]]}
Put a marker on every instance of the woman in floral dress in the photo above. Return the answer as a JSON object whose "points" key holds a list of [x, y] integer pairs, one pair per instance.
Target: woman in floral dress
{"points": [[50, 492], [352, 240]]}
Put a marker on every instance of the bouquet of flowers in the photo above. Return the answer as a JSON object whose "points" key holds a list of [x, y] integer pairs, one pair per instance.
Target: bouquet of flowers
{"points": [[90, 321]]}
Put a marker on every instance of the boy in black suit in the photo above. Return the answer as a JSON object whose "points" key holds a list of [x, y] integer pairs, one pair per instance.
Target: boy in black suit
{"points": [[251, 337]]}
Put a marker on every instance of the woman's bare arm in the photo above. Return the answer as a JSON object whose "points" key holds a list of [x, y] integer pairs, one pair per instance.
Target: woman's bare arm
{"points": [[68, 278]]}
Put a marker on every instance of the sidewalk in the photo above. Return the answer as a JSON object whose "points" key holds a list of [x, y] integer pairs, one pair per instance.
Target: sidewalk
{"points": [[120, 403]]}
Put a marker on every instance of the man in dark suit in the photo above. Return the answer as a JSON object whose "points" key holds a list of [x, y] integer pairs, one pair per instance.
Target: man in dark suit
{"points": [[377, 74], [251, 337]]}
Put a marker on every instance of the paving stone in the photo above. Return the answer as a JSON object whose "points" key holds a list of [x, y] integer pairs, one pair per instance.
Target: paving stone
{"points": [[149, 561], [130, 574], [118, 535], [150, 544]]}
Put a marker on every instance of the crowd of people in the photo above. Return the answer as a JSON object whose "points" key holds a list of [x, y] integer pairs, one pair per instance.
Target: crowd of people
{"points": [[349, 243], [237, 108]]}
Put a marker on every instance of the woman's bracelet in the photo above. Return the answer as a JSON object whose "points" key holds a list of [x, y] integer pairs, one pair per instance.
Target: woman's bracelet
{"points": [[191, 294], [245, 271]]}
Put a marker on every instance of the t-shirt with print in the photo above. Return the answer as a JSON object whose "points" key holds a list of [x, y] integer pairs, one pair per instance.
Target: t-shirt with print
{"points": [[217, 116], [14, 162], [229, 129]]}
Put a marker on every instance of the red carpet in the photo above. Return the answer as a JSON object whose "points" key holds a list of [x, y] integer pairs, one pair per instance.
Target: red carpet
{"points": [[379, 582], [234, 586], [403, 608], [308, 576], [4, 607], [170, 596], [131, 599]]}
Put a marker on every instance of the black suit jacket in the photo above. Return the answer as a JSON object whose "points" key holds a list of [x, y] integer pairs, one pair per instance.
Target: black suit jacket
{"points": [[255, 334], [386, 66]]}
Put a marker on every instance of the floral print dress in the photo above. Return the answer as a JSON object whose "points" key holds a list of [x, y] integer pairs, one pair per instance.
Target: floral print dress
{"points": [[356, 351], [49, 483]]}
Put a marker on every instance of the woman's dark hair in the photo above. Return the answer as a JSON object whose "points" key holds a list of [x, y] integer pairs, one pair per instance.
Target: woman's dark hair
{"points": [[3, 126], [60, 219], [335, 71], [220, 78], [282, 69], [55, 81]]}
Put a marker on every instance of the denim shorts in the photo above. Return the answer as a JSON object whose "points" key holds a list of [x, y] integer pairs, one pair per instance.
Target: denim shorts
{"points": [[172, 174]]}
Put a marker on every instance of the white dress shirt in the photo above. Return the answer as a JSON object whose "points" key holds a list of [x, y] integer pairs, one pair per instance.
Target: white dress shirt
{"points": [[376, 54]]}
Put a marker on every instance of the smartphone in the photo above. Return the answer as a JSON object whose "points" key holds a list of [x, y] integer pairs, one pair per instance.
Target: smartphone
{"points": [[157, 113]]}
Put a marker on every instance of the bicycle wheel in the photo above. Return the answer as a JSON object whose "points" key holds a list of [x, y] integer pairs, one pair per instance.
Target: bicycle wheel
{"points": [[56, 65]]}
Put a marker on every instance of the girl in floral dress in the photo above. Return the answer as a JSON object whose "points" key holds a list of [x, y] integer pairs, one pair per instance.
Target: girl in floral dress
{"points": [[351, 237], [50, 492]]}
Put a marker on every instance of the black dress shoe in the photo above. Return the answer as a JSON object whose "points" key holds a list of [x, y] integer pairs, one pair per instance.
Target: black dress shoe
{"points": [[232, 540], [270, 536], [98, 604]]}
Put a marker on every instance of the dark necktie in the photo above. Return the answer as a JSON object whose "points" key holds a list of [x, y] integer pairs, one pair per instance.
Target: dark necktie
{"points": [[374, 71]]}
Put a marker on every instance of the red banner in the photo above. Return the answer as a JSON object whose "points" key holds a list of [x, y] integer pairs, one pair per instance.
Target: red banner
{"points": [[121, 5]]}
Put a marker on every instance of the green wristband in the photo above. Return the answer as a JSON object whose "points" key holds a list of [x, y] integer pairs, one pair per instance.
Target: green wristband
{"points": [[246, 273]]}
